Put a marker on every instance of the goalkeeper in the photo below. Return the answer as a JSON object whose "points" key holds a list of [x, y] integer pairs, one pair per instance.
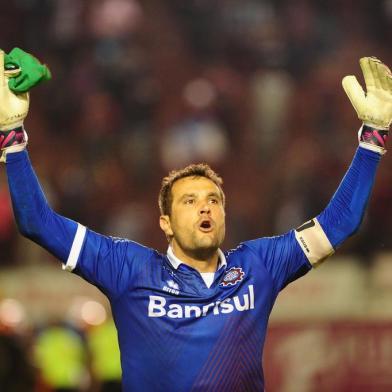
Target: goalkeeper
{"points": [[195, 318]]}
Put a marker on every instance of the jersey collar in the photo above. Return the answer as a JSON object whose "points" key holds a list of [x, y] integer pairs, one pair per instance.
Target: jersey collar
{"points": [[175, 261]]}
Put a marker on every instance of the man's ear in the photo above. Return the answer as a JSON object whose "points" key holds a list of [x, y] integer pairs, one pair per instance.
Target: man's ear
{"points": [[164, 223]]}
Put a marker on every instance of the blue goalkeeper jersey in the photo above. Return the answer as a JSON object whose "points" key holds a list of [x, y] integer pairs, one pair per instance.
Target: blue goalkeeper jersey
{"points": [[175, 333]]}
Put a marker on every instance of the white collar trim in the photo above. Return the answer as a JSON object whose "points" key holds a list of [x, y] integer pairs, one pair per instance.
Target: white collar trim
{"points": [[175, 261]]}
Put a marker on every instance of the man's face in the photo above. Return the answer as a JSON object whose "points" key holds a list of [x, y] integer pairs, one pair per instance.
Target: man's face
{"points": [[197, 220]]}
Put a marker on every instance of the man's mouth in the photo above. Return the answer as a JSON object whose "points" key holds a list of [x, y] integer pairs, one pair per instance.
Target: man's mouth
{"points": [[206, 225]]}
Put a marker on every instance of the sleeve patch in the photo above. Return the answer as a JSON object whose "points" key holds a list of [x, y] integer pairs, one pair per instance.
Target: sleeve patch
{"points": [[314, 242], [75, 249]]}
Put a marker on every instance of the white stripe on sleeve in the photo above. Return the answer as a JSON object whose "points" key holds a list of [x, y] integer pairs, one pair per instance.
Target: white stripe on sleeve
{"points": [[75, 249]]}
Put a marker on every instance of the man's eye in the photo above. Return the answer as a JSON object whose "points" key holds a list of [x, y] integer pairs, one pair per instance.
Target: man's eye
{"points": [[189, 201], [214, 201]]}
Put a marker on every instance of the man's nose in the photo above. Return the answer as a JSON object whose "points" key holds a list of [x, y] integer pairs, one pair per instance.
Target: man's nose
{"points": [[205, 209]]}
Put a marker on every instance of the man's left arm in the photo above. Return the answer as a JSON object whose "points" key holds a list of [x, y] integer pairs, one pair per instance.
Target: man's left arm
{"points": [[320, 236]]}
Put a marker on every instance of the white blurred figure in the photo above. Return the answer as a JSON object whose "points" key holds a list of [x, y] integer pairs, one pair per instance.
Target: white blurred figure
{"points": [[114, 18], [194, 140], [271, 96], [200, 137]]}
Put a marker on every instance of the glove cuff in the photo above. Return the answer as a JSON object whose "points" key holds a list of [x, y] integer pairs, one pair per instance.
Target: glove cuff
{"points": [[373, 139], [13, 140]]}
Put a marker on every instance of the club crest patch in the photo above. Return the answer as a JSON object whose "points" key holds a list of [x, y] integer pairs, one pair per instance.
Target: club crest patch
{"points": [[232, 277]]}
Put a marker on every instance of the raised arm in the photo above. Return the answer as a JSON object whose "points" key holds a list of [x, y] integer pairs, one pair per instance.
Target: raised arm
{"points": [[108, 263], [343, 215], [34, 217]]}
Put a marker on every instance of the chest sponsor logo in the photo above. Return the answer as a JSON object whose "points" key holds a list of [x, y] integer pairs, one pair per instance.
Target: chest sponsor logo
{"points": [[232, 277], [157, 306], [171, 287]]}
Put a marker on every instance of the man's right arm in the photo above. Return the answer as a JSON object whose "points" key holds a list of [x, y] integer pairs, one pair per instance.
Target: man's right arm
{"points": [[106, 262], [34, 217]]}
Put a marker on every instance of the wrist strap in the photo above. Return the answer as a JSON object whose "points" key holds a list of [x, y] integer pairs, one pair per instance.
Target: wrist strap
{"points": [[12, 140], [373, 139], [12, 137]]}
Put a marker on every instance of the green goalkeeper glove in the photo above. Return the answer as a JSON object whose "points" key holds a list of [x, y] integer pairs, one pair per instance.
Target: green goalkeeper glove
{"points": [[24, 71], [19, 72], [374, 107]]}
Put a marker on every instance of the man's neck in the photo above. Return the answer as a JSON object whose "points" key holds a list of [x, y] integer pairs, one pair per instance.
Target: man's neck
{"points": [[200, 261]]}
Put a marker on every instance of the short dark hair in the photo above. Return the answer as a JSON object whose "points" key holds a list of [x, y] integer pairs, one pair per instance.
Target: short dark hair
{"points": [[194, 170]]}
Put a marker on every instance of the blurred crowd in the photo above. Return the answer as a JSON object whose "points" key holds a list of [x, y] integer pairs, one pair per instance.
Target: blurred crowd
{"points": [[142, 87], [58, 356]]}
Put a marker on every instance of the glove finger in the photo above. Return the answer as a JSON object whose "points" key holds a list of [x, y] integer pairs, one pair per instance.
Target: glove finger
{"points": [[364, 62], [375, 66], [354, 92], [383, 72], [389, 80], [2, 77]]}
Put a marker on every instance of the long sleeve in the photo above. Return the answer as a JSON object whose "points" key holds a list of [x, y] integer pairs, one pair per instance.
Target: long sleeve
{"points": [[108, 263], [34, 217], [344, 213]]}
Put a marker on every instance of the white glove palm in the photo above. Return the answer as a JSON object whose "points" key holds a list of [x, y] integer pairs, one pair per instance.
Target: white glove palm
{"points": [[374, 107]]}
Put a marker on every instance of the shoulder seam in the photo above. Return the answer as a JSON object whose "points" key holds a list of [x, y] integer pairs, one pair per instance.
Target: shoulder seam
{"points": [[258, 256]]}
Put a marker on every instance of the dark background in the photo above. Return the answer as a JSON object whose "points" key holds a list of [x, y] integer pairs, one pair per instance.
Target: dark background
{"points": [[251, 87]]}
